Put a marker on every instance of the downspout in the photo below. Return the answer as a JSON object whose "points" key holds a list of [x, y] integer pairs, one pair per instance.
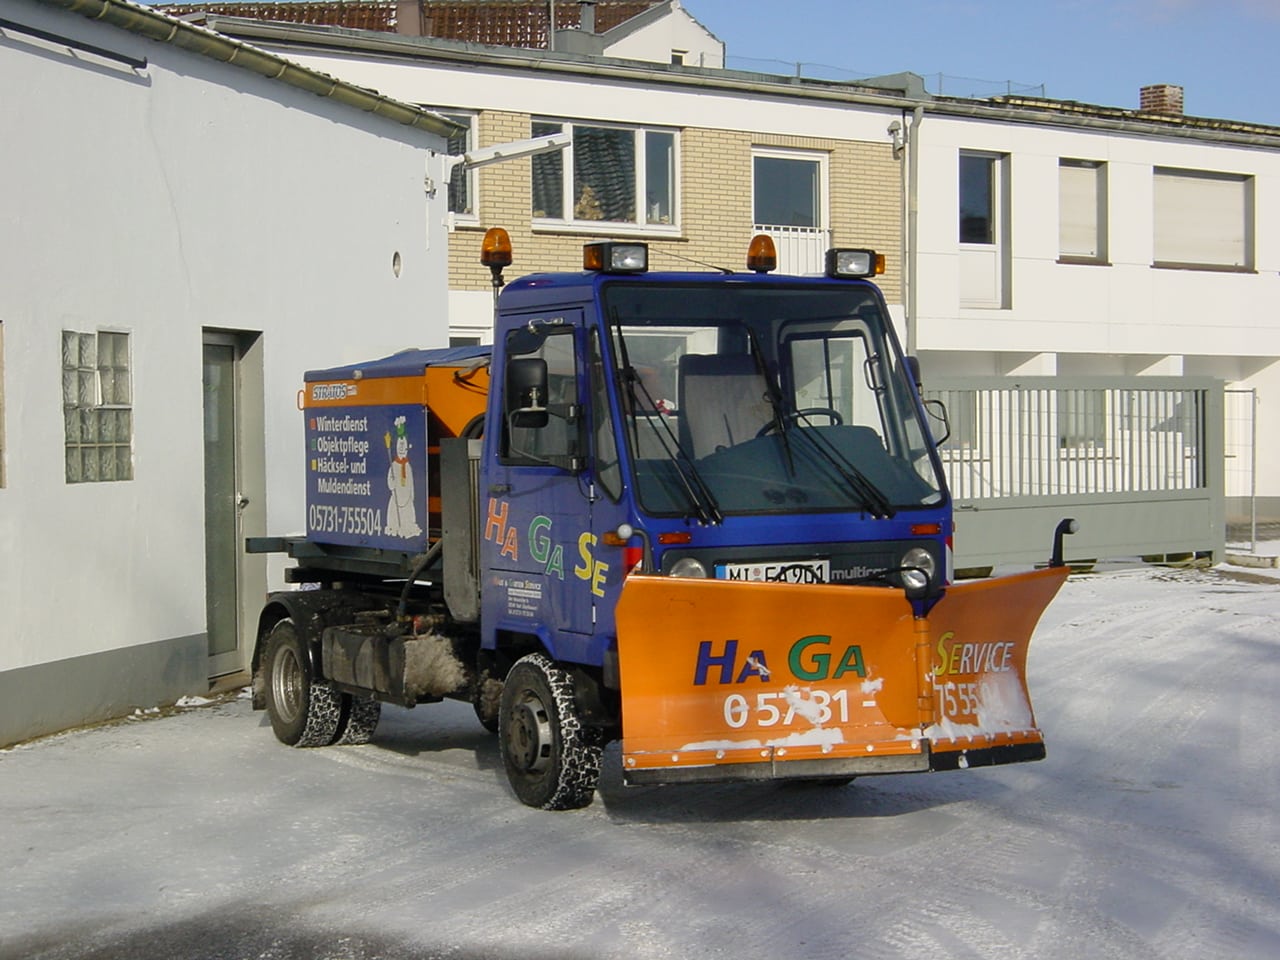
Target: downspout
{"points": [[911, 259]]}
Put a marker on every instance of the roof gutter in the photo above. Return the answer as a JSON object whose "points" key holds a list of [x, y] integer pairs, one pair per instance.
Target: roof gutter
{"points": [[341, 40], [1145, 128], [156, 26]]}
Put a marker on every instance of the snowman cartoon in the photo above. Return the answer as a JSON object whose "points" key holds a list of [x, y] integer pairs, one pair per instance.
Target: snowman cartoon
{"points": [[402, 517]]}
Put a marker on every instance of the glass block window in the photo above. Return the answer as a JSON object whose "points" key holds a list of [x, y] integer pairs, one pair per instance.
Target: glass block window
{"points": [[97, 406]]}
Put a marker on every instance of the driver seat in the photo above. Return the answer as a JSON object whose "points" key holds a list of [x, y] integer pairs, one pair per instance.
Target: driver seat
{"points": [[724, 400]]}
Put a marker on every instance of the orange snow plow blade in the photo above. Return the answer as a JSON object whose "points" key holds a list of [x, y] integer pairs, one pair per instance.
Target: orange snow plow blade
{"points": [[734, 680]]}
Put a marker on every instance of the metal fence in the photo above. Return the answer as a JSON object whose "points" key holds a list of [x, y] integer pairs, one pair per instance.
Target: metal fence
{"points": [[1139, 457], [940, 84]]}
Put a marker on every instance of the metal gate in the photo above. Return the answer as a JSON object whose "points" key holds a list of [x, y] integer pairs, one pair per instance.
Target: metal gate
{"points": [[1138, 461], [1242, 466]]}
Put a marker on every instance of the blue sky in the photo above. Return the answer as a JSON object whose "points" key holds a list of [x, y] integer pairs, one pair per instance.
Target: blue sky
{"points": [[1225, 54]]}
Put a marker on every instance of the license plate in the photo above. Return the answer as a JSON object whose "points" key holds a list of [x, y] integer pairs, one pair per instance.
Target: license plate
{"points": [[780, 571]]}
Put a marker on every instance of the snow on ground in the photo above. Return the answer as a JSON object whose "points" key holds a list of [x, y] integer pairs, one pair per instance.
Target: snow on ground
{"points": [[1149, 832]]}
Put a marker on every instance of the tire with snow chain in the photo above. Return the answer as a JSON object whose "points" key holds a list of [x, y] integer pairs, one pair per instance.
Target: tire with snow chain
{"points": [[358, 721], [303, 713], [552, 758]]}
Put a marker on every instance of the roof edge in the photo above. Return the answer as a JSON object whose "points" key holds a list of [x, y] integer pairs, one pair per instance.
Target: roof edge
{"points": [[347, 39], [153, 25]]}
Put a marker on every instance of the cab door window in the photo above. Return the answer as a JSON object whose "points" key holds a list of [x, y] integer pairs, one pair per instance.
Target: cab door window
{"points": [[541, 410]]}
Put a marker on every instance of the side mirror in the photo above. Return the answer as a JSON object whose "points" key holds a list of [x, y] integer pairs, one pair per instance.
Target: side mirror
{"points": [[526, 397], [936, 410], [913, 371]]}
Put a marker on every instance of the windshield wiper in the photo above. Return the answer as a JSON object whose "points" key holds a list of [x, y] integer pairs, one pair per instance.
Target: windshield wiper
{"points": [[695, 489], [871, 496], [774, 396], [867, 492]]}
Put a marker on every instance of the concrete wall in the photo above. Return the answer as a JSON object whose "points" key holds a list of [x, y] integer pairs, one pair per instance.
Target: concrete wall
{"points": [[163, 201]]}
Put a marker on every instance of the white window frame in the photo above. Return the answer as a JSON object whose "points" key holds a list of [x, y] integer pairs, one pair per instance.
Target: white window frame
{"points": [[1202, 220], [1082, 211], [569, 224], [984, 269], [470, 120], [801, 249], [819, 157]]}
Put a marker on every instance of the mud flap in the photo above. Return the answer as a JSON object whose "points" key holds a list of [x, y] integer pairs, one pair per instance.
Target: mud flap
{"points": [[732, 680]]}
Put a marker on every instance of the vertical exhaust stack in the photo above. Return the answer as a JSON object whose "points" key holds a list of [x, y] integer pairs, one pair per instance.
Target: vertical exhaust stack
{"points": [[1162, 98]]}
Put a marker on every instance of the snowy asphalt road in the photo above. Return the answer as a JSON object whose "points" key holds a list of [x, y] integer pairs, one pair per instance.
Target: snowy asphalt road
{"points": [[1150, 831]]}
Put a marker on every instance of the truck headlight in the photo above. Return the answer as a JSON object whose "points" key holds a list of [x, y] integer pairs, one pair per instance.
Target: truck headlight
{"points": [[918, 569], [687, 567]]}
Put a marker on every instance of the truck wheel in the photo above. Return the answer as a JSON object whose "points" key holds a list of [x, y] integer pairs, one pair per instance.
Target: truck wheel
{"points": [[552, 758], [303, 713], [359, 720]]}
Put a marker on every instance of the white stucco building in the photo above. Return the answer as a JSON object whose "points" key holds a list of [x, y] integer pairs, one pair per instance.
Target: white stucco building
{"points": [[1066, 241], [182, 238]]}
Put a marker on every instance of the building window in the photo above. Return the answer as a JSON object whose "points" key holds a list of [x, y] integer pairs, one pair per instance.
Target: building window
{"points": [[1082, 211], [97, 406], [789, 204], [462, 188], [983, 221], [615, 175], [1203, 220], [787, 190], [977, 198]]}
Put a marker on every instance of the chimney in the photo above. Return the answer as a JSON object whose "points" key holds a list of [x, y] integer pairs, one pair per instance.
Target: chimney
{"points": [[1165, 98], [412, 19], [587, 16]]}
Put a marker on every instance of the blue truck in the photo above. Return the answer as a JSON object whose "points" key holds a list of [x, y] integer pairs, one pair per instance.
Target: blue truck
{"points": [[702, 513]]}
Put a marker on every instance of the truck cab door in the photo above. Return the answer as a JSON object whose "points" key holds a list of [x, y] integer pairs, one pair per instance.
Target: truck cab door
{"points": [[535, 511]]}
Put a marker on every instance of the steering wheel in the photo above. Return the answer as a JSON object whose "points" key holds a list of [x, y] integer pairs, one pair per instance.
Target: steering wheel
{"points": [[832, 415]]}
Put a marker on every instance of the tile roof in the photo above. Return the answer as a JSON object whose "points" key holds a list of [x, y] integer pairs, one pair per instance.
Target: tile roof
{"points": [[507, 23]]}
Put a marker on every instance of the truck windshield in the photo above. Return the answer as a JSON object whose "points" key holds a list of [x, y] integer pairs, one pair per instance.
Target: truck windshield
{"points": [[752, 398]]}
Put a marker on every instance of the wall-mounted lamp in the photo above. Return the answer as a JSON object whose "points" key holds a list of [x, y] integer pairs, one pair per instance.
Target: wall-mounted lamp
{"points": [[898, 137]]}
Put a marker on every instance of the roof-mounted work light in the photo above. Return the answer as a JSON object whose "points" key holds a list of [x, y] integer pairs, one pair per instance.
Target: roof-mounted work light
{"points": [[854, 263], [614, 257]]}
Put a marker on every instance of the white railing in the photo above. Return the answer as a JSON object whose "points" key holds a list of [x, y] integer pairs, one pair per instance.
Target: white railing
{"points": [[1019, 441], [801, 250]]}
